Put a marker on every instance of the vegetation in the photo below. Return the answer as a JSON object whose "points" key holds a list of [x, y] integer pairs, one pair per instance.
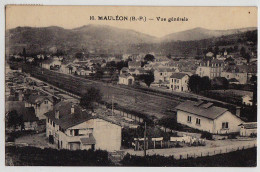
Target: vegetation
{"points": [[149, 57], [14, 120], [197, 83], [147, 78], [32, 156], [92, 95], [242, 158]]}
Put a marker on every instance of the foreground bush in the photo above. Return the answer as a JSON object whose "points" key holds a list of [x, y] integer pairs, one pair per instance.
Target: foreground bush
{"points": [[242, 158], [32, 156]]}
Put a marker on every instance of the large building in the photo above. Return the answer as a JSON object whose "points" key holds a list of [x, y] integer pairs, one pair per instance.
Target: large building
{"points": [[236, 72], [163, 74], [207, 117], [179, 82], [71, 127], [210, 68]]}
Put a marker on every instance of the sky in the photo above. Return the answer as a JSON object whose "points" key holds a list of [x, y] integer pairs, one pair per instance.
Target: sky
{"points": [[214, 18]]}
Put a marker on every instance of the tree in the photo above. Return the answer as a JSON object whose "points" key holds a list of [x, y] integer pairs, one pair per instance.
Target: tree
{"points": [[147, 78], [205, 83], [88, 99], [194, 83], [149, 57], [14, 120]]}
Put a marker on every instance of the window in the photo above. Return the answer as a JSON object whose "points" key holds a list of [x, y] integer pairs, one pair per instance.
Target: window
{"points": [[76, 132], [197, 121], [177, 81], [189, 119], [161, 74], [71, 132], [46, 102], [224, 125], [53, 124]]}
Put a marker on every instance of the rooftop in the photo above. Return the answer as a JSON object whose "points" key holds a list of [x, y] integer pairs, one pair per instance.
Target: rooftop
{"points": [[178, 75], [200, 108]]}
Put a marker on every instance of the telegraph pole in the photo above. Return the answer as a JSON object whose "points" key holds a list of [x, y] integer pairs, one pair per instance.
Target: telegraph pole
{"points": [[112, 105], [145, 139]]}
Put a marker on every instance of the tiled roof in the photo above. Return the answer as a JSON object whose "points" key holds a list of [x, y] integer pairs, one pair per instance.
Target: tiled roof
{"points": [[125, 75], [233, 80], [178, 75], [67, 119], [34, 98], [207, 110], [249, 125], [133, 63], [88, 140]]}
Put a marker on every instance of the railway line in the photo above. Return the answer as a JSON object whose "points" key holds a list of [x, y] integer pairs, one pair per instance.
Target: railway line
{"points": [[140, 101]]}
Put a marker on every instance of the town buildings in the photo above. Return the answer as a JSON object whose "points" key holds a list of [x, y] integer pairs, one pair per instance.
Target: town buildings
{"points": [[126, 79], [71, 127], [248, 129], [210, 68], [179, 82], [205, 116]]}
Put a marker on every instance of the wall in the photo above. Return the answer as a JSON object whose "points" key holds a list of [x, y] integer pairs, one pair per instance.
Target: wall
{"points": [[233, 122], [107, 135], [247, 132], [205, 124], [40, 111]]}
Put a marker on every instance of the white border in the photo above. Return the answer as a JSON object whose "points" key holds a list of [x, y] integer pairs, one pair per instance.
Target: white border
{"points": [[105, 2]]}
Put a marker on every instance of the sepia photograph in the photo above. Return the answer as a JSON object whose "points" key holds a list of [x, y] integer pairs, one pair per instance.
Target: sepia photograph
{"points": [[130, 86]]}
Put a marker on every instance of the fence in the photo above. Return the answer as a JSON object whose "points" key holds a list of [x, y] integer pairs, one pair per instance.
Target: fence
{"points": [[214, 151]]}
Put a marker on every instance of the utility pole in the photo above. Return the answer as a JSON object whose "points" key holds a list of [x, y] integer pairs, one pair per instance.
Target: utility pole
{"points": [[112, 105], [145, 139]]}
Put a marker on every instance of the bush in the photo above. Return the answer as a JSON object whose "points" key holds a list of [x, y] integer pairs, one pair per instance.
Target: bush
{"points": [[32, 156], [206, 135]]}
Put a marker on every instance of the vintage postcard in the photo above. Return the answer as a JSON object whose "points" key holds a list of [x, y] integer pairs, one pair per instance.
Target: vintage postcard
{"points": [[130, 86]]}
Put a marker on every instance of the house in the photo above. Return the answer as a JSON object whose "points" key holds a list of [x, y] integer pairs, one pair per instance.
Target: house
{"points": [[73, 128], [209, 54], [51, 63], [210, 68], [179, 82], [247, 100], [240, 61], [41, 104], [205, 116], [237, 72], [27, 114], [124, 70], [126, 79], [134, 64], [248, 129], [163, 74]]}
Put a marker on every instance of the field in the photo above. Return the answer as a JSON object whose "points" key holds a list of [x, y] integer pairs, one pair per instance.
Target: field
{"points": [[140, 101]]}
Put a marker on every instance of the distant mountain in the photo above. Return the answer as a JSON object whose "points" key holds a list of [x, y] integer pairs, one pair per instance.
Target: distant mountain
{"points": [[201, 33], [91, 37], [102, 39]]}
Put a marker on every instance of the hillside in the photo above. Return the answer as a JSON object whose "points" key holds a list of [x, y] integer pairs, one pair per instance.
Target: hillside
{"points": [[108, 40], [201, 33]]}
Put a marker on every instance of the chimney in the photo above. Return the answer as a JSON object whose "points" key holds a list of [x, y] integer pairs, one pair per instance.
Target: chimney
{"points": [[72, 109], [57, 114], [238, 111]]}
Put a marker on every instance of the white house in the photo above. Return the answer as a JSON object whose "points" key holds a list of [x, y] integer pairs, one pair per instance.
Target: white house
{"points": [[126, 79], [73, 128], [179, 82], [248, 128], [134, 64], [237, 72], [247, 100], [41, 104], [207, 117]]}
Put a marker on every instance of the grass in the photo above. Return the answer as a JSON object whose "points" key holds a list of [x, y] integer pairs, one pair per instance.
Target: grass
{"points": [[242, 158]]}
